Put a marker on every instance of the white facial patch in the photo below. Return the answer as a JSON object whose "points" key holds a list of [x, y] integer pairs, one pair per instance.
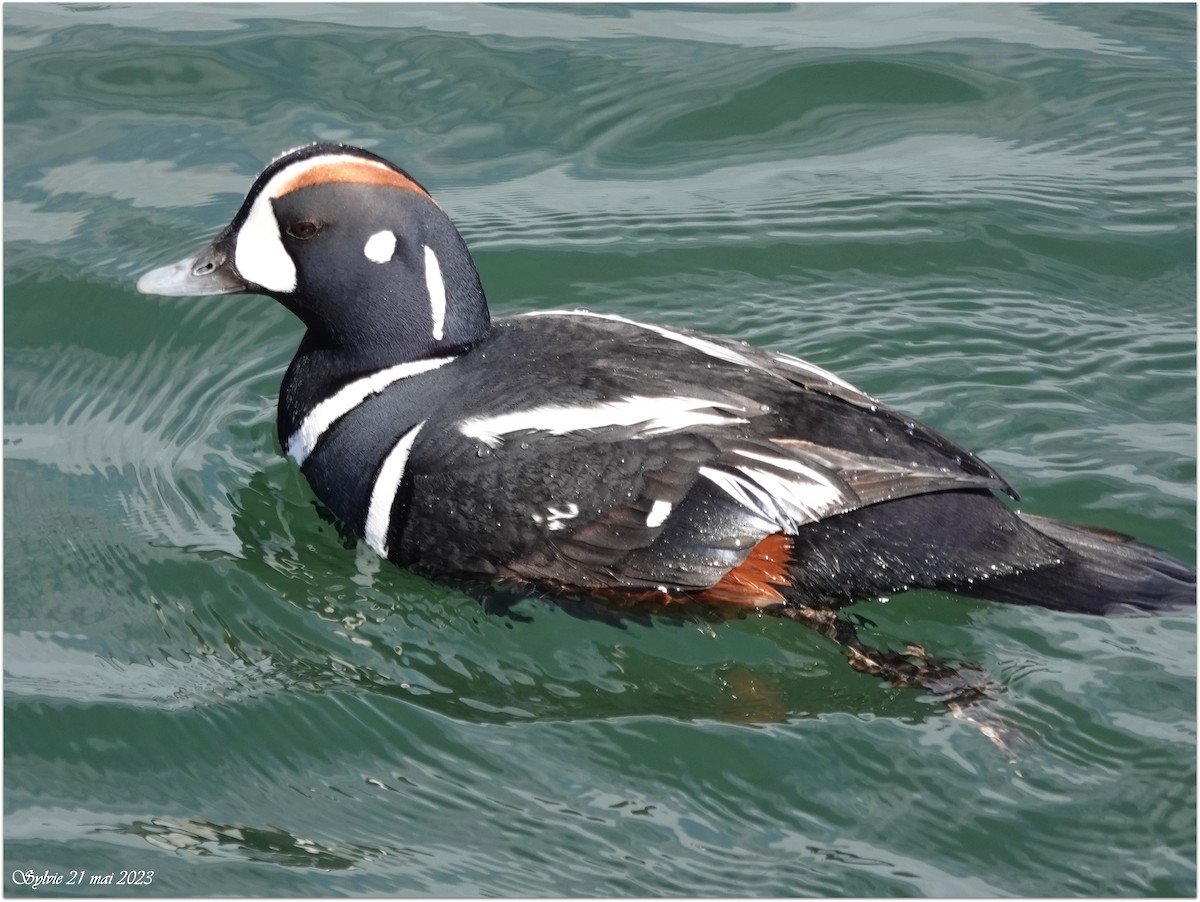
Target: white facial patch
{"points": [[655, 416], [380, 247], [383, 494], [325, 414], [437, 292], [258, 251]]}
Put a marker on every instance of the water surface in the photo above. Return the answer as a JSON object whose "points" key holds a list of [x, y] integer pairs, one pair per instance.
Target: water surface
{"points": [[984, 214]]}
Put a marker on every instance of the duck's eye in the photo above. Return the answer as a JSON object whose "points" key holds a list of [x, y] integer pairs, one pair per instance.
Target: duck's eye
{"points": [[303, 229]]}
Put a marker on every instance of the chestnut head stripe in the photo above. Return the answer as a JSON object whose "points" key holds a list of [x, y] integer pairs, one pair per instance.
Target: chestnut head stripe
{"points": [[320, 170]]}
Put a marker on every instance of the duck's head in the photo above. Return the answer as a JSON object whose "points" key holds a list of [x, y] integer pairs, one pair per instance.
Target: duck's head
{"points": [[352, 245]]}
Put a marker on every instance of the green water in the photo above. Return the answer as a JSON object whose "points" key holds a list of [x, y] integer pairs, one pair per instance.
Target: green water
{"points": [[983, 214]]}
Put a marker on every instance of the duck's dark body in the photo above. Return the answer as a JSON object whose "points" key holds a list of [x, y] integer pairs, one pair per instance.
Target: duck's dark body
{"points": [[592, 454], [900, 506]]}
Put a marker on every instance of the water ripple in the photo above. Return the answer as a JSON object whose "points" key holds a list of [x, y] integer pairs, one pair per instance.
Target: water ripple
{"points": [[984, 215]]}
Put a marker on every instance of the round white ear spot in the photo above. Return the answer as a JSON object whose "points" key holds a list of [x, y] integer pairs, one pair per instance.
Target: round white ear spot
{"points": [[380, 247]]}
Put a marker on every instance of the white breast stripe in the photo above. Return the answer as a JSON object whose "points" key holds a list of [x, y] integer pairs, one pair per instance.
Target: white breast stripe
{"points": [[711, 348], [437, 292], [321, 417], [383, 495], [655, 415]]}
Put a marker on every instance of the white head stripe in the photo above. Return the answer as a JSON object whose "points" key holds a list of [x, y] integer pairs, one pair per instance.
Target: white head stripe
{"points": [[655, 415], [321, 417], [380, 247], [437, 292], [383, 494]]}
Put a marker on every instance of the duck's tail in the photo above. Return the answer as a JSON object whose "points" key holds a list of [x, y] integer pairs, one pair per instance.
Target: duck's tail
{"points": [[1102, 572], [973, 544]]}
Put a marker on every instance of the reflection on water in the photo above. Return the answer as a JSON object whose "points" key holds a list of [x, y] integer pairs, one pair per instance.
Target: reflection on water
{"points": [[265, 844]]}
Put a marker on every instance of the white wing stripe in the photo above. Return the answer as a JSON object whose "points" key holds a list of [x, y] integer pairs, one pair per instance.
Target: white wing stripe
{"points": [[812, 500], [785, 503], [745, 493], [325, 414], [383, 494], [793, 466], [655, 415], [659, 511]]}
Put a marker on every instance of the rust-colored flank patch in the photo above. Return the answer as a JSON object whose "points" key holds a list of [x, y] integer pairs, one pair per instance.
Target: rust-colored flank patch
{"points": [[753, 584], [755, 581], [356, 171]]}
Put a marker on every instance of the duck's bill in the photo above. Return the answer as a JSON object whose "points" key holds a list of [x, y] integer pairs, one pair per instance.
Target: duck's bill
{"points": [[208, 272]]}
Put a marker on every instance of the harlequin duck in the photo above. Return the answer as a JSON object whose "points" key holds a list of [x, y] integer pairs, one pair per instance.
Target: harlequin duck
{"points": [[585, 453]]}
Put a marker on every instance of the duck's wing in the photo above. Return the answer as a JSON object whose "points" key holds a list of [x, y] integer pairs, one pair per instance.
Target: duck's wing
{"points": [[664, 466], [718, 516]]}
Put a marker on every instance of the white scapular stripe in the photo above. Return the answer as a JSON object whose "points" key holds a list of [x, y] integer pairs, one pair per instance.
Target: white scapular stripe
{"points": [[321, 417], [258, 251], [383, 494], [659, 511], [380, 247], [655, 415], [711, 348], [437, 292]]}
